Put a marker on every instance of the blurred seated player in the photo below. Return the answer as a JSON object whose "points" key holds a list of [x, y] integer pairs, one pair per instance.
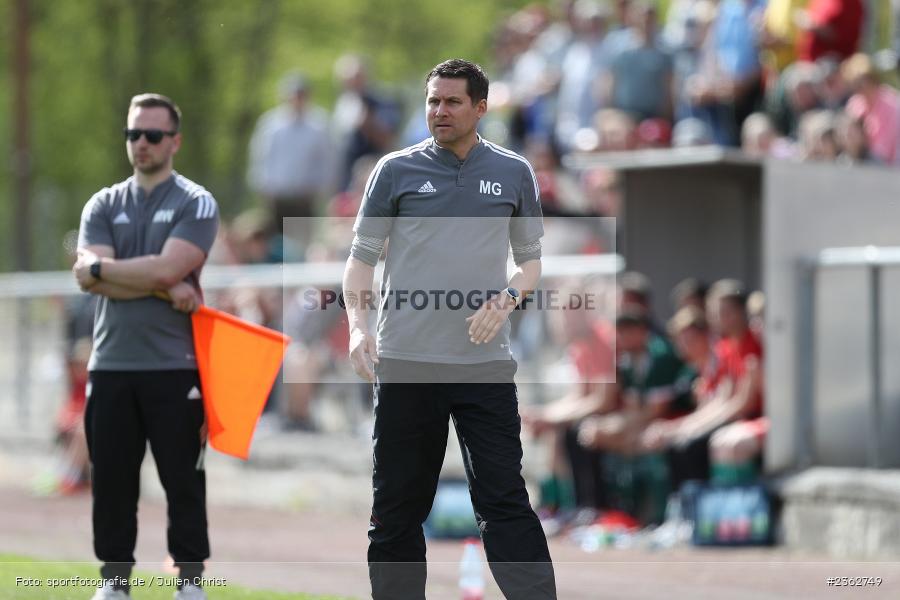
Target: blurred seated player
{"points": [[589, 339], [71, 473], [317, 324], [652, 384], [756, 312], [687, 439], [70, 470], [566, 416], [727, 313], [313, 317], [736, 449], [689, 292], [728, 389], [636, 295], [648, 371]]}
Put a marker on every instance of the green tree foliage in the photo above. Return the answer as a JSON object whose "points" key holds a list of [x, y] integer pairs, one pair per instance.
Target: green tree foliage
{"points": [[220, 60]]}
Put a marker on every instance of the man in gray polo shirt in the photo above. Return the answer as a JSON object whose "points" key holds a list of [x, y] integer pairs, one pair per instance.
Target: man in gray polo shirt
{"points": [[140, 239], [449, 208]]}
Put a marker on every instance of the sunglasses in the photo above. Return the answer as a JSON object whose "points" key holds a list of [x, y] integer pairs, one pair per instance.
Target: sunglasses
{"points": [[154, 136]]}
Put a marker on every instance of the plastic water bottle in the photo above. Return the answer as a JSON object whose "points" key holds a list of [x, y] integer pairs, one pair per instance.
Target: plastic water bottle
{"points": [[471, 571]]}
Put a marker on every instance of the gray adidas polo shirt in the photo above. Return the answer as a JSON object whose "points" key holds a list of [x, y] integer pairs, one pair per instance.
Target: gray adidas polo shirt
{"points": [[146, 334], [449, 225]]}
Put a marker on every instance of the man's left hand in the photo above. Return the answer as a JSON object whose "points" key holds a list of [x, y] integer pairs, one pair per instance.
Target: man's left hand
{"points": [[488, 319], [184, 297], [82, 269]]}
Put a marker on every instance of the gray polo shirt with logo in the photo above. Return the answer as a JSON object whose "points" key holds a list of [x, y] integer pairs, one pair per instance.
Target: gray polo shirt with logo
{"points": [[449, 226], [146, 334]]}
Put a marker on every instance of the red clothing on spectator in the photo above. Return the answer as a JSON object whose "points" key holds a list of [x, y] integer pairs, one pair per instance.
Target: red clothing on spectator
{"points": [[593, 355], [708, 380], [843, 17], [72, 412], [732, 355], [881, 121]]}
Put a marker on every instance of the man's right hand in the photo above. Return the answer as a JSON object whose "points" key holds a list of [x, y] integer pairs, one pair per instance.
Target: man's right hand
{"points": [[184, 297], [362, 354]]}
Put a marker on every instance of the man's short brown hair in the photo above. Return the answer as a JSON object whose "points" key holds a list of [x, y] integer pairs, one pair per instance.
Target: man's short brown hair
{"points": [[731, 290], [158, 101], [689, 317], [477, 83]]}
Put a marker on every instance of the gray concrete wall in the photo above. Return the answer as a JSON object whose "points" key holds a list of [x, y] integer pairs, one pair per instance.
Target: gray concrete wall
{"points": [[808, 208], [846, 513], [700, 220]]}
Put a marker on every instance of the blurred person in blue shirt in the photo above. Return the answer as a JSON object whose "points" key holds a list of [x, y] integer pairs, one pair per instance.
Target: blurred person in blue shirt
{"points": [[728, 87], [640, 77], [290, 154]]}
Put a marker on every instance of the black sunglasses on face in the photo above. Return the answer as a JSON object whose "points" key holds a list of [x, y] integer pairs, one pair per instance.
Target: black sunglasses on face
{"points": [[154, 136]]}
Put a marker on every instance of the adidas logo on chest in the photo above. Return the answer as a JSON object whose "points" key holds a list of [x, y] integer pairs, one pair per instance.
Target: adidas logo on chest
{"points": [[427, 188]]}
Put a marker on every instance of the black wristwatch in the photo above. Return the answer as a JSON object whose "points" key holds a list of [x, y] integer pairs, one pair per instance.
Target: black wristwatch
{"points": [[514, 294], [95, 270]]}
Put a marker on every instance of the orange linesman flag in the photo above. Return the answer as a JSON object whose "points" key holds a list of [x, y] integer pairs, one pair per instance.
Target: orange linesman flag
{"points": [[238, 364]]}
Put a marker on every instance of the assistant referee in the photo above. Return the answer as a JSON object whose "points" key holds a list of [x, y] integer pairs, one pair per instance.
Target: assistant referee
{"points": [[450, 207], [148, 234]]}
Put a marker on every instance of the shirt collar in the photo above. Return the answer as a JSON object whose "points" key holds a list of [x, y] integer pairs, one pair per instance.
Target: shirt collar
{"points": [[451, 160], [138, 194]]}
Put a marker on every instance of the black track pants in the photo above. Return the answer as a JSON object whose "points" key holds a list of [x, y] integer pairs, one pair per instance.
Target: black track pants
{"points": [[125, 410], [410, 439]]}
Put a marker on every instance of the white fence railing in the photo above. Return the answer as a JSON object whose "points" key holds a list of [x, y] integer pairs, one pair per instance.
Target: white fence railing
{"points": [[31, 334]]}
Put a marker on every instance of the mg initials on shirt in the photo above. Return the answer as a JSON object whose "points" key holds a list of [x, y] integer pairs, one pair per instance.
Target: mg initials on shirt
{"points": [[488, 187]]}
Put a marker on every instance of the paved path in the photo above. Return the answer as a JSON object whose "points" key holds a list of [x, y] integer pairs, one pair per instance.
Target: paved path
{"points": [[295, 518], [320, 552]]}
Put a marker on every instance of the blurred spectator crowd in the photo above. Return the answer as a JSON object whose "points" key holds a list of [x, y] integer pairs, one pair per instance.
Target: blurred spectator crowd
{"points": [[784, 78]]}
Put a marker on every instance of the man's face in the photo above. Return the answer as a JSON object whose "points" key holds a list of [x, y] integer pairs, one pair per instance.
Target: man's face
{"points": [[449, 110], [631, 338], [646, 21], [692, 343], [804, 97], [146, 157], [732, 318]]}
